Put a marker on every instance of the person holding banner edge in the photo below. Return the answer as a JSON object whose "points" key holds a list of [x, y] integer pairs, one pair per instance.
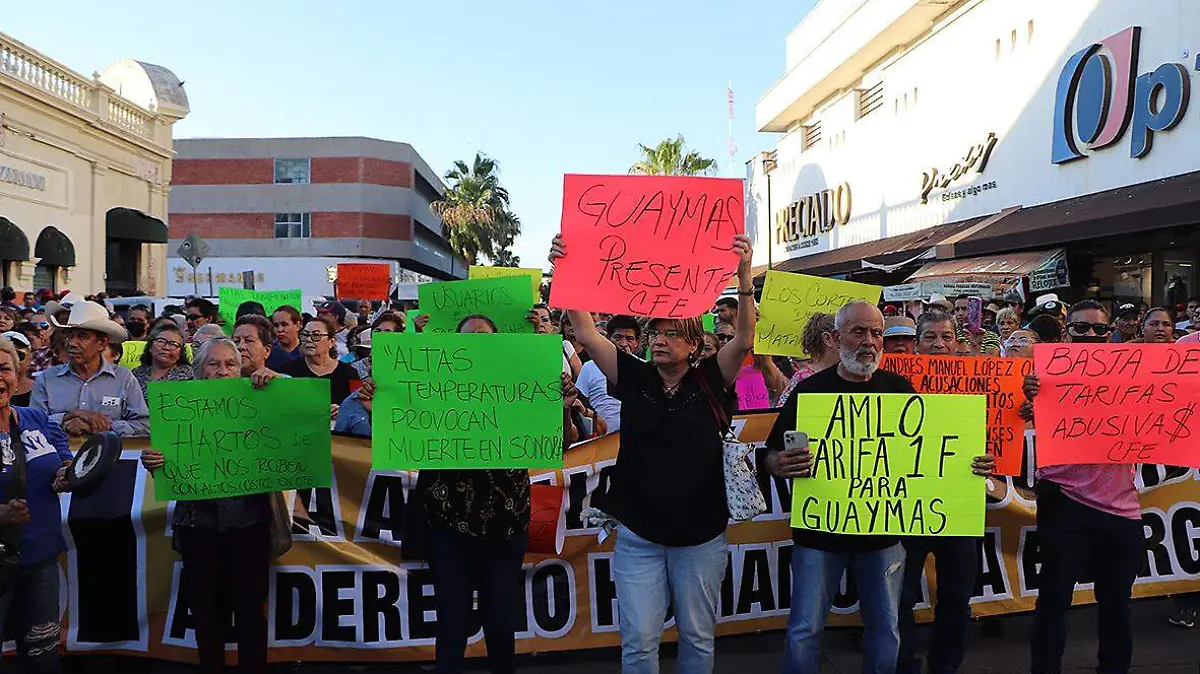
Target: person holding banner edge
{"points": [[1088, 517], [819, 560], [671, 546], [957, 557]]}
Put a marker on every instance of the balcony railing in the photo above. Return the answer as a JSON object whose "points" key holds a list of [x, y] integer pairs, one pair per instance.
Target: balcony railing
{"points": [[89, 97]]}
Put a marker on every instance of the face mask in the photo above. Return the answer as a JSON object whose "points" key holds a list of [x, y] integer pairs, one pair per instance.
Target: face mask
{"points": [[1088, 339], [136, 329]]}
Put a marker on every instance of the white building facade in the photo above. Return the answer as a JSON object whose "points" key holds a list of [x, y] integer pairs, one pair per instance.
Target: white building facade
{"points": [[1048, 146]]}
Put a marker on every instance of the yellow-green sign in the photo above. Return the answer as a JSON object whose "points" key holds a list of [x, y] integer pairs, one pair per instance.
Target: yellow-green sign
{"points": [[132, 350], [467, 401], [232, 298], [535, 275], [892, 464], [789, 299], [223, 437]]}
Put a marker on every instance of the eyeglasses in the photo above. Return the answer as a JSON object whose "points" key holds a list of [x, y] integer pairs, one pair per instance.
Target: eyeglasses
{"points": [[1081, 328], [652, 335], [1018, 341], [724, 338], [22, 354], [313, 336], [194, 317], [168, 343], [42, 325]]}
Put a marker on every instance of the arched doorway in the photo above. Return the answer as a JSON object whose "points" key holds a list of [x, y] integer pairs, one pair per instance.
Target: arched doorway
{"points": [[14, 249], [126, 230], [54, 252]]}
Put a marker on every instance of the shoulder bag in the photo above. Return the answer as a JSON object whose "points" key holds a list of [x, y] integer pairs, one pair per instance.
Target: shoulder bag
{"points": [[10, 534], [281, 522], [743, 496]]}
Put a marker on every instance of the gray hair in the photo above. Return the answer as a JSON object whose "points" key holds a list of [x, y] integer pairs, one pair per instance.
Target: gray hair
{"points": [[936, 316], [206, 332], [206, 349], [1007, 312], [843, 314], [6, 346]]}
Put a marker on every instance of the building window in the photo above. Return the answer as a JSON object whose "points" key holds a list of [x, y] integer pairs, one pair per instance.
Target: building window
{"points": [[45, 276], [812, 135], [292, 171], [292, 226], [870, 100]]}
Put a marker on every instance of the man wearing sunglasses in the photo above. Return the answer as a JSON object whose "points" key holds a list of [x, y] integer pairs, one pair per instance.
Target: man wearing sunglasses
{"points": [[200, 313], [1089, 518]]}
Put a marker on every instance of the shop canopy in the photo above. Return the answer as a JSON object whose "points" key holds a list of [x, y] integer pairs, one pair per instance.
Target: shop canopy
{"points": [[13, 243], [1007, 265], [134, 225], [54, 249]]}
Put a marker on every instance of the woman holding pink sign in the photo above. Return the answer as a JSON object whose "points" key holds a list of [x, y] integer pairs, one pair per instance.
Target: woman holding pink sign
{"points": [[671, 547]]}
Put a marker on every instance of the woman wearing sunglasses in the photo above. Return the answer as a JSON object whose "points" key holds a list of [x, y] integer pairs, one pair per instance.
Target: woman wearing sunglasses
{"points": [[24, 349]]}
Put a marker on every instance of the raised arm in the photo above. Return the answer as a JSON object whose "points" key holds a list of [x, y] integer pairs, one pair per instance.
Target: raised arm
{"points": [[733, 354], [598, 347]]}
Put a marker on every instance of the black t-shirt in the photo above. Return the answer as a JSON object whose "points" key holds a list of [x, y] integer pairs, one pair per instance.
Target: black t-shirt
{"points": [[342, 381], [668, 485], [829, 381]]}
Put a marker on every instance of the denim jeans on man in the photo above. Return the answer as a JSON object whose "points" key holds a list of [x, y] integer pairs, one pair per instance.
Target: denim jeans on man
{"points": [[816, 576], [650, 577], [30, 608], [957, 563], [1072, 538]]}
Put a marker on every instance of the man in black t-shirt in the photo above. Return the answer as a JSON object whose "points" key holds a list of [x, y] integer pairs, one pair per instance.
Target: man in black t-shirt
{"points": [[819, 559]]}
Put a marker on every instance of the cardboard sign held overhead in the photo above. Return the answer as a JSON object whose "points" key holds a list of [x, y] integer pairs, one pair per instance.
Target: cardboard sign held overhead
{"points": [[1117, 403], [364, 281], [535, 276], [788, 300], [659, 246]]}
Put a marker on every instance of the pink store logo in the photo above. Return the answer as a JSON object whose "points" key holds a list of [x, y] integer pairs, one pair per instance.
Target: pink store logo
{"points": [[1100, 97]]}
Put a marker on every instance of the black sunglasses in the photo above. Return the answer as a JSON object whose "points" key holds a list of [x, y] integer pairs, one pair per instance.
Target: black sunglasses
{"points": [[1081, 328], [193, 317], [724, 338]]}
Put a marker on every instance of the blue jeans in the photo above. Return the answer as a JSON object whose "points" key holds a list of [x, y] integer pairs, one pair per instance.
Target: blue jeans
{"points": [[31, 607], [816, 575], [650, 576], [957, 559]]}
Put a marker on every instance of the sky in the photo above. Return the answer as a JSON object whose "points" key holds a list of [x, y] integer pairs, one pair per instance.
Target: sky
{"points": [[545, 88]]}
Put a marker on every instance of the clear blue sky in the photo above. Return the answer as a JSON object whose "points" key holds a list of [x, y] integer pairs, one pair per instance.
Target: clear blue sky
{"points": [[545, 88]]}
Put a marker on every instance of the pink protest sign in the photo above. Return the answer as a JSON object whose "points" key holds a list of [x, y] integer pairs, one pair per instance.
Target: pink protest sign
{"points": [[657, 246], [752, 390]]}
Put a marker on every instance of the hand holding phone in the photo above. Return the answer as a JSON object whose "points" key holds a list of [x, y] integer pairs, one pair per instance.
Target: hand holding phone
{"points": [[975, 315], [794, 461]]}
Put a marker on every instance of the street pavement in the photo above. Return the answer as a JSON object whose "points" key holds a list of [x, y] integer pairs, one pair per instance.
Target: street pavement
{"points": [[1158, 648]]}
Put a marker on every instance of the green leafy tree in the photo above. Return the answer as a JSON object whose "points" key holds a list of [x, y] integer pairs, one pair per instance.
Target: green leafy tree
{"points": [[672, 158], [476, 212]]}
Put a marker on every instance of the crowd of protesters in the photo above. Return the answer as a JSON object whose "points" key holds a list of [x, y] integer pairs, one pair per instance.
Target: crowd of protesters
{"points": [[668, 388]]}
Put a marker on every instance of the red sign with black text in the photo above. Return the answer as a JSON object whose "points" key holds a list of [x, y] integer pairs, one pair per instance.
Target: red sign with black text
{"points": [[364, 281], [1117, 403], [658, 246]]}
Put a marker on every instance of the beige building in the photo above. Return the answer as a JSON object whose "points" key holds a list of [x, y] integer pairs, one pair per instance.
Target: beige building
{"points": [[85, 165]]}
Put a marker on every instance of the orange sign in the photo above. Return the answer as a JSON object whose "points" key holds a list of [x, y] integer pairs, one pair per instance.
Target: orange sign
{"points": [[364, 281], [656, 246], [1000, 379], [1118, 403]]}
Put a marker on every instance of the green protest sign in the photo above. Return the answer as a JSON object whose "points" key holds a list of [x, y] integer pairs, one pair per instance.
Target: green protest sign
{"points": [[467, 401], [505, 300], [222, 437], [231, 298], [893, 464], [709, 321]]}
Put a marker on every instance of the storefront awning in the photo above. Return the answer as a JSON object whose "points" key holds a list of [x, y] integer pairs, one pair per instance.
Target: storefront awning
{"points": [[1008, 264], [1160, 204], [13, 243], [54, 249], [891, 251], [134, 225]]}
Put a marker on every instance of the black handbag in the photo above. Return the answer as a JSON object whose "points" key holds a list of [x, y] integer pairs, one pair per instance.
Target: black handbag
{"points": [[10, 534]]}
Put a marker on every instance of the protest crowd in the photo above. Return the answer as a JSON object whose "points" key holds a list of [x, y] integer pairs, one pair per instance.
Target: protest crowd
{"points": [[668, 388]]}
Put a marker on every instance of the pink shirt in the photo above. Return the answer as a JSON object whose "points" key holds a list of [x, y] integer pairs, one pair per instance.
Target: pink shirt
{"points": [[1193, 338], [1105, 487]]}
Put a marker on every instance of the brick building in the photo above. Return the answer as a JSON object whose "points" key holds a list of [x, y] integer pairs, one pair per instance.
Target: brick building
{"points": [[314, 200]]}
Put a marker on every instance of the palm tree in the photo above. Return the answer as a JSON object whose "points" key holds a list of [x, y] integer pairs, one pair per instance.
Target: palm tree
{"points": [[476, 211], [672, 158]]}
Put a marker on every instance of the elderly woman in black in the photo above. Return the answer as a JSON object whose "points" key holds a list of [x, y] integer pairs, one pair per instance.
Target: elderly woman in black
{"points": [[225, 545], [671, 546]]}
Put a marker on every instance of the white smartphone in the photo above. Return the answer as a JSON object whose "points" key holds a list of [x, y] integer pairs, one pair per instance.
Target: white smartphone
{"points": [[795, 440]]}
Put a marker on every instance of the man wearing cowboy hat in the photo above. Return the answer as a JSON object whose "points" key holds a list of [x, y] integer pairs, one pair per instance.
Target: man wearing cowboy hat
{"points": [[87, 394]]}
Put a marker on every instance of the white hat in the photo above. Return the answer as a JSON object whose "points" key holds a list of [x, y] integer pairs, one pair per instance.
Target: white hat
{"points": [[91, 316], [69, 300], [17, 337], [364, 339], [939, 300]]}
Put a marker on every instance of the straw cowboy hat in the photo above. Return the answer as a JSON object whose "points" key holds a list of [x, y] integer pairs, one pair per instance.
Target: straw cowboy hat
{"points": [[940, 301], [69, 300], [92, 316]]}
